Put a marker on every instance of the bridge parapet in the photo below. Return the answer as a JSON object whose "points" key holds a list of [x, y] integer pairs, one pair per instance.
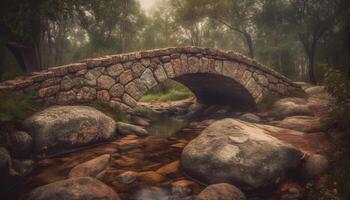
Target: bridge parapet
{"points": [[120, 80]]}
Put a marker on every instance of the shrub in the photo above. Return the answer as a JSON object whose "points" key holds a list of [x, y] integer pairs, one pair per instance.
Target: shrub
{"points": [[16, 106], [338, 86]]}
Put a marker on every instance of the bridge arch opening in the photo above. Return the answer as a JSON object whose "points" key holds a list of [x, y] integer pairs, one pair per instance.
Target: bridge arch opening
{"points": [[214, 89]]}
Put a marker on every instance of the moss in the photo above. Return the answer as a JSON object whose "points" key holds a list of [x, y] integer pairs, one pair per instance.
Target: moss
{"points": [[267, 103], [115, 114]]}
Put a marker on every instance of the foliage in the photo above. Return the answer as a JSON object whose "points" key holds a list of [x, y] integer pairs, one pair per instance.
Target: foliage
{"points": [[117, 115], [321, 189], [167, 91], [15, 107], [338, 86]]}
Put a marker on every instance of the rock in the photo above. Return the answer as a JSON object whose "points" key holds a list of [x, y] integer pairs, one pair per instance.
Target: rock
{"points": [[23, 167], [221, 191], [124, 128], [300, 123], [183, 188], [289, 107], [127, 177], [82, 188], [150, 177], [315, 166], [315, 90], [62, 128], [240, 153], [21, 143], [91, 168], [170, 168], [140, 121], [5, 162], [105, 82], [249, 117]]}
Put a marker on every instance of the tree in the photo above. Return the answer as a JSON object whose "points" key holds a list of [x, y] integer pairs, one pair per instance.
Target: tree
{"points": [[22, 27], [311, 19]]}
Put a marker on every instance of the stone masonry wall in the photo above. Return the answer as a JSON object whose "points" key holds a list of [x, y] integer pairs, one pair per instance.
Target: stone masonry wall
{"points": [[121, 80]]}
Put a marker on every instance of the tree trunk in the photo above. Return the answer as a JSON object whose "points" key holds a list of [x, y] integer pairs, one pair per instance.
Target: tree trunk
{"points": [[26, 57], [249, 42], [311, 68]]}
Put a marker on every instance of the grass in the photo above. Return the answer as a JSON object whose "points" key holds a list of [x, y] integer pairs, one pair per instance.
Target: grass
{"points": [[169, 90]]}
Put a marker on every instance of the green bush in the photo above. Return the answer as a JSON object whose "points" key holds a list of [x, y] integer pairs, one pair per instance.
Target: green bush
{"points": [[338, 86], [15, 106]]}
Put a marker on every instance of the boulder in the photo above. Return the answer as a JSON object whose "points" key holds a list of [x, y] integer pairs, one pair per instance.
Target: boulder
{"points": [[62, 128], [315, 165], [315, 90], [240, 153], [221, 191], [250, 117], [91, 168], [290, 107], [124, 128], [306, 124], [82, 188], [21, 143]]}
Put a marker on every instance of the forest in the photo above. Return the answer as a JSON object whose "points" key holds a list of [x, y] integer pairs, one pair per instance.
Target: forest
{"points": [[296, 37], [175, 99]]}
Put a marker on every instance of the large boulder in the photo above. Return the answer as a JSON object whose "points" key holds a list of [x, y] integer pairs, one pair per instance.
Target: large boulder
{"points": [[290, 107], [91, 168], [62, 128], [83, 188], [306, 124], [240, 153]]}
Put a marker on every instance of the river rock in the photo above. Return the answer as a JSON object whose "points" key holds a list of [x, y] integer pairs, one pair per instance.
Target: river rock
{"points": [[306, 124], [221, 191], [91, 168], [315, 165], [315, 90], [290, 107], [124, 128], [240, 153], [21, 143], [250, 117], [82, 188], [61, 128]]}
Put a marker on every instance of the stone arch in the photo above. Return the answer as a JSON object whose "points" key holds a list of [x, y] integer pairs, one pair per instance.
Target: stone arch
{"points": [[121, 80]]}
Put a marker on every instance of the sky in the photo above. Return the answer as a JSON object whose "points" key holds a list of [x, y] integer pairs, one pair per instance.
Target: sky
{"points": [[147, 5]]}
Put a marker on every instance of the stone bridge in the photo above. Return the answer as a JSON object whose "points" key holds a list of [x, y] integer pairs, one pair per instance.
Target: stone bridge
{"points": [[215, 76]]}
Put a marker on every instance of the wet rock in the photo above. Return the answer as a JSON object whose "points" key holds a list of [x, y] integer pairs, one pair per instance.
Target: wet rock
{"points": [[5, 162], [61, 128], [127, 177], [124, 128], [23, 167], [140, 121], [290, 107], [249, 117], [315, 166], [83, 188], [240, 153], [290, 191], [91, 168], [150, 177], [183, 188], [21, 143], [221, 191], [306, 124], [170, 168]]}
